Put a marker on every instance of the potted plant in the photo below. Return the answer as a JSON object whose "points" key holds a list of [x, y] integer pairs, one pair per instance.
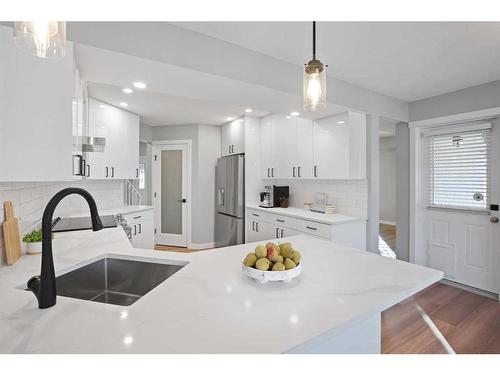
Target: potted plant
{"points": [[33, 241]]}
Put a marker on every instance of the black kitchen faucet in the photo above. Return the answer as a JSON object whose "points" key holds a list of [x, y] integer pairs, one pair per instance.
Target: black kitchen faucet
{"points": [[44, 285]]}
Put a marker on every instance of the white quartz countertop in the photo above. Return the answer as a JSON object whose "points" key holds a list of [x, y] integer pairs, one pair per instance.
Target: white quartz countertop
{"points": [[113, 211], [208, 306], [301, 213]]}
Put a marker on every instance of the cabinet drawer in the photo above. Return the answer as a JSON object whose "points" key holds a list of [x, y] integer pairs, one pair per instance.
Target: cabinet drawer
{"points": [[284, 221], [313, 228], [137, 217], [257, 215]]}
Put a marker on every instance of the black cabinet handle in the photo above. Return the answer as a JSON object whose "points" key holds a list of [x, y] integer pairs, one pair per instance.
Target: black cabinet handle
{"points": [[268, 172], [315, 171], [137, 217], [280, 220], [293, 173], [272, 172], [137, 172], [256, 215], [88, 170], [311, 228], [112, 171], [253, 226], [135, 230], [107, 172], [277, 234], [257, 226], [282, 233], [140, 228], [298, 171]]}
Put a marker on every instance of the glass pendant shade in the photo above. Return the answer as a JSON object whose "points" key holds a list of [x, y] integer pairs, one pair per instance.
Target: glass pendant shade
{"points": [[314, 86], [45, 39]]}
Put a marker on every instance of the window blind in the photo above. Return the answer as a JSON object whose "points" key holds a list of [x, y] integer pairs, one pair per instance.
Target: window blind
{"points": [[458, 169]]}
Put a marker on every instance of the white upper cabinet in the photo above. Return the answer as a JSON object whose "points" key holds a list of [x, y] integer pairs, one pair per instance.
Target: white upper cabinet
{"points": [[266, 147], [339, 147], [120, 159], [233, 137], [304, 148], [36, 141]]}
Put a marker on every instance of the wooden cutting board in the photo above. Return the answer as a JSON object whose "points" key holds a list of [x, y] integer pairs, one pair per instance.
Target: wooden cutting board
{"points": [[11, 235]]}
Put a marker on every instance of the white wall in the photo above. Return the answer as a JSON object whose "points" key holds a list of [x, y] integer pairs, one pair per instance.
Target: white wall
{"points": [[387, 169], [402, 191], [30, 198]]}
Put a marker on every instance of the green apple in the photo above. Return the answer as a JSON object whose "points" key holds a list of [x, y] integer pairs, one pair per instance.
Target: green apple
{"points": [[250, 260]]}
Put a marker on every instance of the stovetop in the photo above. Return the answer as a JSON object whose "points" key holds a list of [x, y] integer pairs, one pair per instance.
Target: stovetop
{"points": [[82, 223]]}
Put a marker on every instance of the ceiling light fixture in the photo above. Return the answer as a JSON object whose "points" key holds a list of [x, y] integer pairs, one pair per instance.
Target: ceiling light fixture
{"points": [[102, 106], [123, 104], [230, 118], [45, 39], [294, 113], [126, 90], [248, 110], [314, 88], [341, 122], [140, 85]]}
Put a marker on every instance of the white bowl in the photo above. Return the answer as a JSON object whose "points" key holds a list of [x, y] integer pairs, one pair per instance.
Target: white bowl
{"points": [[265, 276]]}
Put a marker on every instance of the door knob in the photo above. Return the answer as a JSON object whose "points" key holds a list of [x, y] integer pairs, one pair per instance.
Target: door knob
{"points": [[181, 200], [494, 219]]}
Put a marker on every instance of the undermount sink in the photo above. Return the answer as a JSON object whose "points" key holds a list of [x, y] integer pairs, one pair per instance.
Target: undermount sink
{"points": [[114, 280]]}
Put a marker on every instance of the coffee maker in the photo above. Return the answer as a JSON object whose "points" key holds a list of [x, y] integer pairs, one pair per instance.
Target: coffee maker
{"points": [[265, 198], [274, 196]]}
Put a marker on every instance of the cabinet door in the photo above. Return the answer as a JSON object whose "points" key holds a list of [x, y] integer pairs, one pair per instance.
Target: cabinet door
{"points": [[304, 148], [331, 148], [284, 146], [238, 131], [357, 127], [99, 126], [226, 140], [36, 141], [127, 163], [280, 232], [145, 234], [266, 146], [263, 231], [251, 231]]}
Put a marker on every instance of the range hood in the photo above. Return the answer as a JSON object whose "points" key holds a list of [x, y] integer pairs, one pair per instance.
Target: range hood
{"points": [[90, 144]]}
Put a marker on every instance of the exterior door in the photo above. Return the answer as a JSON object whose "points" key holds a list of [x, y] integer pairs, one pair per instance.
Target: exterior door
{"points": [[460, 188], [170, 194]]}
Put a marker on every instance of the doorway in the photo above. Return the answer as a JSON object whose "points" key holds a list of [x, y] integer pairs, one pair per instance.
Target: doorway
{"points": [[455, 201], [172, 192]]}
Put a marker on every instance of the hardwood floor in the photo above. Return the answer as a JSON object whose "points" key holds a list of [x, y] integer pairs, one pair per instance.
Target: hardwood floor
{"points": [[176, 249], [387, 240], [442, 317]]}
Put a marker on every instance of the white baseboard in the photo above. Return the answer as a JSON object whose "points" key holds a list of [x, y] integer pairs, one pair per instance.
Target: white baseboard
{"points": [[387, 222], [200, 246]]}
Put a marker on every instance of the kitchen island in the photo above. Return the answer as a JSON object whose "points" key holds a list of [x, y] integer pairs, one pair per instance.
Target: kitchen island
{"points": [[209, 306]]}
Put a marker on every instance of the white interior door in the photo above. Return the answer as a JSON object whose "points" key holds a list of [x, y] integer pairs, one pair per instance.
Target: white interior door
{"points": [[459, 184], [170, 194]]}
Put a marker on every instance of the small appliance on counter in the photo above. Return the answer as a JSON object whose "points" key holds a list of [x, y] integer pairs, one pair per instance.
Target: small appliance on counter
{"points": [[265, 197], [320, 204]]}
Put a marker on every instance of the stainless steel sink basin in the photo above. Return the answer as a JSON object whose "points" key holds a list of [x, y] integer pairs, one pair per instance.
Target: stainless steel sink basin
{"points": [[114, 280]]}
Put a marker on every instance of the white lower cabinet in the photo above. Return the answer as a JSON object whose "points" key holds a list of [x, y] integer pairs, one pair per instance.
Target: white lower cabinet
{"points": [[265, 226], [142, 224]]}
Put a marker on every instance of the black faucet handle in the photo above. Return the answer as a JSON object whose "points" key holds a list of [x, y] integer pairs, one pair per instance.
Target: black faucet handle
{"points": [[96, 223]]}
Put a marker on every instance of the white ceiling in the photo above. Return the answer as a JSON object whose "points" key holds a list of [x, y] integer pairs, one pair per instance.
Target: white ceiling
{"points": [[158, 109], [405, 60]]}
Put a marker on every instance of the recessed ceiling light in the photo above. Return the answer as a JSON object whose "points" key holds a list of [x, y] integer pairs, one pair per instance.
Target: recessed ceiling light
{"points": [[340, 122], [230, 118], [123, 104], [294, 113], [140, 85], [248, 110], [288, 116], [102, 106], [126, 90]]}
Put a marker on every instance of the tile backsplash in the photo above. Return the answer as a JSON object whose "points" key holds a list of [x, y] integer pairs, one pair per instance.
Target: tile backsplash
{"points": [[350, 197], [30, 198]]}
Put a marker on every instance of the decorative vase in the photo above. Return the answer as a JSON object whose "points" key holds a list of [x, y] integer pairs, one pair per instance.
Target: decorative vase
{"points": [[34, 247]]}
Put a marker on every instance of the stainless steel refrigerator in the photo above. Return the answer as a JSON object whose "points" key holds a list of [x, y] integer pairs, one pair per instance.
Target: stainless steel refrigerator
{"points": [[230, 201]]}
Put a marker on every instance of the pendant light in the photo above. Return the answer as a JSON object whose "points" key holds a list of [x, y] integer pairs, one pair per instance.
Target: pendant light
{"points": [[314, 81], [45, 39]]}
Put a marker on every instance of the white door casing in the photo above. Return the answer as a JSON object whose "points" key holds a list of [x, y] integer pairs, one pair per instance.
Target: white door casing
{"points": [[464, 245], [182, 239]]}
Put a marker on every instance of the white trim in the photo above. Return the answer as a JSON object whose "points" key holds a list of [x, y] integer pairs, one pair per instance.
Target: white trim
{"points": [[450, 129], [461, 117], [387, 222], [189, 143], [202, 246]]}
